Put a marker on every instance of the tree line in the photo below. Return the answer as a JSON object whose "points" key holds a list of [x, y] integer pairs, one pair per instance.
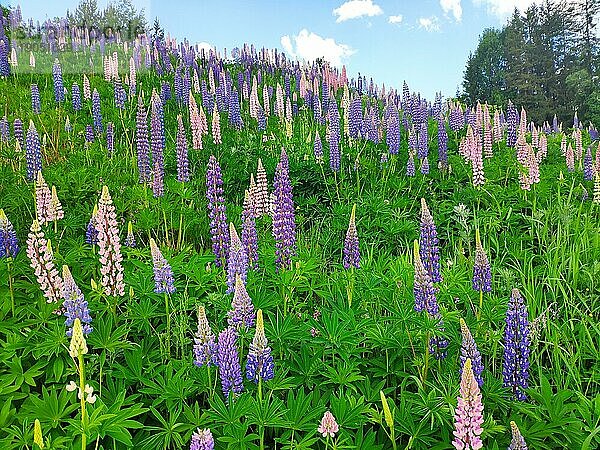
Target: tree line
{"points": [[546, 59]]}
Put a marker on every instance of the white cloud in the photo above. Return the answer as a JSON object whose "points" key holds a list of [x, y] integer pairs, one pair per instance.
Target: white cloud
{"points": [[453, 6], [310, 46], [429, 23], [395, 19], [204, 46], [355, 9], [504, 8]]}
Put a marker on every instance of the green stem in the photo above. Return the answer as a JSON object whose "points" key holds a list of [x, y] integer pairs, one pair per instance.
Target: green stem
{"points": [[10, 288], [82, 391], [261, 427], [426, 365], [480, 303], [167, 312]]}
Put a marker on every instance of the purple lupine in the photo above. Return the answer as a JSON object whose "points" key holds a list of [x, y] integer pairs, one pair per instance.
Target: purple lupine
{"points": [[4, 130], [334, 136], [482, 274], [157, 132], [89, 134], [355, 118], [230, 370], [217, 211], [442, 143], [318, 148], [9, 246], [512, 119], [588, 168], [202, 440], [74, 304], [423, 290], [33, 152], [423, 144], [158, 180], [351, 249], [237, 260], [242, 311], [4, 65], [260, 361], [393, 133], [284, 220], [76, 97], [110, 139], [183, 168], [18, 132], [35, 99], [410, 164], [249, 234], [456, 119], [163, 274], [517, 442], [515, 365], [235, 116], [120, 95], [91, 233], [262, 120], [59, 89], [141, 139], [468, 350], [205, 347], [428, 243], [96, 112]]}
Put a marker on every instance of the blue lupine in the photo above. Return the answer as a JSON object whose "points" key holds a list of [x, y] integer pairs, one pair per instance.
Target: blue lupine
{"points": [[260, 364], [429, 244], [442, 143], [393, 133], [76, 97], [284, 221], [110, 139], [205, 347], [35, 99], [515, 365], [242, 313], [482, 274], [96, 112], [33, 152], [74, 304], [183, 166], [59, 89], [230, 371], [18, 132], [141, 142], [468, 350], [237, 260], [163, 274], [9, 245]]}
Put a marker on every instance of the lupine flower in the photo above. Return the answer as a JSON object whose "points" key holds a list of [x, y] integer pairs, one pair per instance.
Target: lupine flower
{"points": [[318, 148], [442, 143], [260, 361], [237, 260], [468, 350], [40, 254], [410, 164], [230, 370], [216, 126], [183, 170], [157, 132], [55, 211], [59, 90], [74, 304], [163, 274], [477, 165], [216, 211], [78, 345], [482, 275], [328, 426], [68, 127], [87, 92], [141, 139], [89, 134], [110, 139], [35, 99], [428, 243], [515, 366], [109, 246], [393, 133], [9, 246], [202, 440], [512, 119], [4, 65], [96, 112], [588, 168], [91, 234], [242, 309], [33, 152], [130, 239], [205, 347], [18, 132], [468, 416], [425, 166], [351, 248], [43, 197], [38, 438], [284, 222], [76, 97], [4, 130], [158, 184], [260, 196], [249, 234], [424, 291], [517, 442]]}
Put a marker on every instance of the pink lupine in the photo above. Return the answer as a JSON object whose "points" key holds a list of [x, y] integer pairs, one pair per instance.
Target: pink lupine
{"points": [[328, 426], [468, 416], [109, 246], [216, 126], [40, 253], [43, 198]]}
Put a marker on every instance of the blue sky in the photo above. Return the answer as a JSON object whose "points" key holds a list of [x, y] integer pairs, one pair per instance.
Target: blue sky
{"points": [[424, 42]]}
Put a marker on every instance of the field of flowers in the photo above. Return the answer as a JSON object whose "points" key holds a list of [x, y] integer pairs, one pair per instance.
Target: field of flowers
{"points": [[234, 250]]}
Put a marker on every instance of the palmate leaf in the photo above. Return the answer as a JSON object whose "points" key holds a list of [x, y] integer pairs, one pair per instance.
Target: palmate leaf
{"points": [[169, 432], [54, 406], [118, 419], [230, 414]]}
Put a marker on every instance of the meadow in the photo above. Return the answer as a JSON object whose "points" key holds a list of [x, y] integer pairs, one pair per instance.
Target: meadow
{"points": [[384, 322]]}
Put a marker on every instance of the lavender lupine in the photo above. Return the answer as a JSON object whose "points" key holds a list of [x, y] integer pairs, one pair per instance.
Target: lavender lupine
{"points": [[588, 168], [76, 97], [158, 185], [40, 254], [410, 164], [205, 346], [355, 118], [4, 65], [482, 274], [512, 119], [163, 274], [4, 130], [284, 221], [468, 416], [468, 350], [216, 211], [74, 304], [423, 290], [318, 148], [393, 133], [202, 440], [35, 99], [249, 234], [517, 442], [351, 249], [109, 246], [230, 371], [242, 310], [130, 239], [515, 366], [442, 143], [91, 234], [334, 136], [33, 152], [157, 132], [259, 365], [59, 89], [237, 260], [98, 128], [143, 149], [183, 169], [9, 245], [428, 243]]}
